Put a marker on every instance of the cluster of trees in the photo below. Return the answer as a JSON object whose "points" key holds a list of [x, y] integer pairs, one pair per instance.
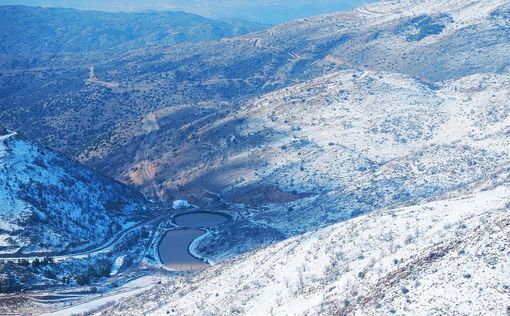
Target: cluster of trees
{"points": [[103, 270], [9, 283], [12, 276], [37, 263], [18, 275]]}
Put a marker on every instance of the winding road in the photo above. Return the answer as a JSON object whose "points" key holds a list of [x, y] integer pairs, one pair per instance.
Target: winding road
{"points": [[83, 254]]}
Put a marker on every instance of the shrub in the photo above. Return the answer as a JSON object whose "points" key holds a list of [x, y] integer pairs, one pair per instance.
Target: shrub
{"points": [[82, 279], [50, 274]]}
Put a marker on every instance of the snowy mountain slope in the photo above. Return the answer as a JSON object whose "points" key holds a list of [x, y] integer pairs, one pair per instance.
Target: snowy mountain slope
{"points": [[341, 145], [449, 256], [49, 204], [453, 53], [434, 40], [463, 11], [430, 40]]}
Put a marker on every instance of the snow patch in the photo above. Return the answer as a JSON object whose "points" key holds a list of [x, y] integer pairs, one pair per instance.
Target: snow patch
{"points": [[181, 204]]}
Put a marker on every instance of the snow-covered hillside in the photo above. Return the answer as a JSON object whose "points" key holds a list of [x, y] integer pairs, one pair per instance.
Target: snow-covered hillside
{"points": [[444, 257], [51, 204], [362, 158], [348, 143], [430, 160], [341, 114]]}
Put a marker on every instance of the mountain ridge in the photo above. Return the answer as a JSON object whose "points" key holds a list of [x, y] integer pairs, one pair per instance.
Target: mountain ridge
{"points": [[40, 31], [44, 192]]}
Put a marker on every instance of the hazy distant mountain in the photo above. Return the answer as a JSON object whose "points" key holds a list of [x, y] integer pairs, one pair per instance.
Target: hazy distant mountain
{"points": [[34, 30], [263, 11]]}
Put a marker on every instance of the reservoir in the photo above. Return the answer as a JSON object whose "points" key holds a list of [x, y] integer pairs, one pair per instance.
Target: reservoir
{"points": [[200, 219], [174, 250], [174, 247]]}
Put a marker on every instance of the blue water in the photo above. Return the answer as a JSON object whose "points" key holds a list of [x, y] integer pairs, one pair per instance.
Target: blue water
{"points": [[200, 220]]}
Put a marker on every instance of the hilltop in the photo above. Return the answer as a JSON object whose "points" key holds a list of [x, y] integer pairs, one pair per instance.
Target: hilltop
{"points": [[36, 31]]}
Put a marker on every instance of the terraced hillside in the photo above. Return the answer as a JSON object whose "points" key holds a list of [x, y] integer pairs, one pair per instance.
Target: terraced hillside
{"points": [[212, 79]]}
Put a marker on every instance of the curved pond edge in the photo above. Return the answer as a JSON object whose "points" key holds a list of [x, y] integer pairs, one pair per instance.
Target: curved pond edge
{"points": [[189, 246], [193, 245]]}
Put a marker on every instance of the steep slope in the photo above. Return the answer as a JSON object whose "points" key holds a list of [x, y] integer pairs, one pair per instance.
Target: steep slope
{"points": [[301, 50], [331, 149], [50, 204], [443, 257], [192, 118], [37, 31], [425, 39]]}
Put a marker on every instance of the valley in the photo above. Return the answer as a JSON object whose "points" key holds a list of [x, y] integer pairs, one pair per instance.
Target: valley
{"points": [[163, 251], [352, 163], [442, 256]]}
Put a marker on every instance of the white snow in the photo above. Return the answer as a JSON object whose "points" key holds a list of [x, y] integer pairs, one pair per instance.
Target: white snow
{"points": [[117, 264], [131, 288], [449, 254], [37, 187], [180, 204]]}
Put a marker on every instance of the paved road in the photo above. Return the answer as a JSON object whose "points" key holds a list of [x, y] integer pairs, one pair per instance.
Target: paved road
{"points": [[104, 248]]}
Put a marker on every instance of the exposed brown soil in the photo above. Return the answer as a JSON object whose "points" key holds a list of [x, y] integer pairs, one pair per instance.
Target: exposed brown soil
{"points": [[144, 172]]}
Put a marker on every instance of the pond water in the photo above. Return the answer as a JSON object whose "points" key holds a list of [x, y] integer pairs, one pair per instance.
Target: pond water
{"points": [[200, 219], [174, 250], [174, 247]]}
